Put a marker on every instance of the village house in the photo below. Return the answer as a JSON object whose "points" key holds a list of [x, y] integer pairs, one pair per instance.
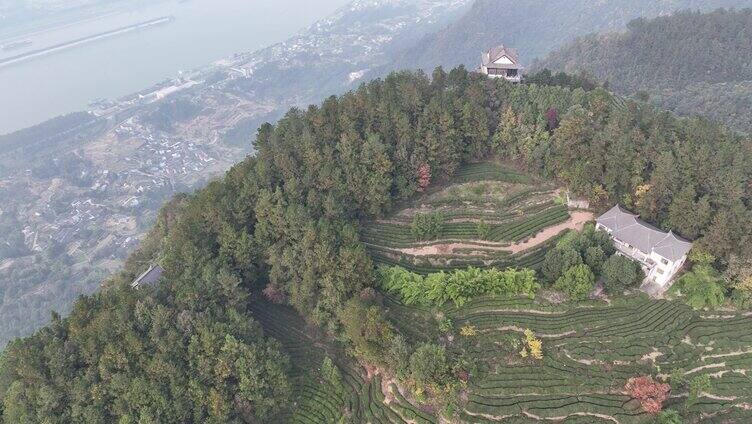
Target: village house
{"points": [[502, 62], [150, 276], [661, 254]]}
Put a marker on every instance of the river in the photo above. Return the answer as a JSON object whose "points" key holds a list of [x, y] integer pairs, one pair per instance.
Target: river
{"points": [[201, 32]]}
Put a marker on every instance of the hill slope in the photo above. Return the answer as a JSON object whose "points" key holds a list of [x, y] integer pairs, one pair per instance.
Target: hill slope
{"points": [[535, 27], [105, 185], [689, 62], [196, 348], [489, 216], [40, 239]]}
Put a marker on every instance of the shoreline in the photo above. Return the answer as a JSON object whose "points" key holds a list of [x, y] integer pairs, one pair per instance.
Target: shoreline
{"points": [[83, 40]]}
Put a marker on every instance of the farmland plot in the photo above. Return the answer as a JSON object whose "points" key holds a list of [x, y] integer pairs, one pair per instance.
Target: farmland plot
{"points": [[489, 216], [590, 350]]}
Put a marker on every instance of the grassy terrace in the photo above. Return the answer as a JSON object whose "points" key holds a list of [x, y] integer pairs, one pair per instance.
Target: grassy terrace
{"points": [[590, 350], [486, 208], [515, 227], [362, 400], [532, 258]]}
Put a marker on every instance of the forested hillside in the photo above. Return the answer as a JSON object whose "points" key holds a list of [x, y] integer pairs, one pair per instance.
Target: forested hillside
{"points": [[79, 192], [284, 226], [689, 62], [536, 27]]}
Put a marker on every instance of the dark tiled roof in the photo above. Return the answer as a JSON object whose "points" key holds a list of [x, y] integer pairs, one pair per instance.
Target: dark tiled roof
{"points": [[150, 276], [630, 229], [497, 53]]}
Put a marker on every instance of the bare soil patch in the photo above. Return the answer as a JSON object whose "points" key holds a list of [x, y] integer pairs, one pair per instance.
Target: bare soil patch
{"points": [[449, 248], [576, 221]]}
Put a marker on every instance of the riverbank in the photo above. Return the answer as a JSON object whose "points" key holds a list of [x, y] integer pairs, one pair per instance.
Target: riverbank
{"points": [[204, 31], [83, 40]]}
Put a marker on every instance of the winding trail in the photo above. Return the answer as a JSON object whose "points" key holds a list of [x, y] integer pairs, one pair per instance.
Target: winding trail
{"points": [[576, 221]]}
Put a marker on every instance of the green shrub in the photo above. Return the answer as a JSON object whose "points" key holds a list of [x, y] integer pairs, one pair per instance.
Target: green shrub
{"points": [[595, 258], [458, 286], [697, 386], [558, 261], [701, 288], [446, 325], [427, 226], [428, 364], [398, 356], [483, 230], [479, 190], [367, 329], [742, 298], [620, 273], [576, 282], [669, 416], [677, 379], [332, 375], [590, 237]]}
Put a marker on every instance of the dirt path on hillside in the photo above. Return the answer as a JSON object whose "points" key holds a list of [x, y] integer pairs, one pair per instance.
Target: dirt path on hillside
{"points": [[575, 222], [449, 248]]}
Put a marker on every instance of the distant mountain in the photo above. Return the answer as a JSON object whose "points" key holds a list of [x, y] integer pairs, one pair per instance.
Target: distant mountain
{"points": [[690, 62], [535, 27]]}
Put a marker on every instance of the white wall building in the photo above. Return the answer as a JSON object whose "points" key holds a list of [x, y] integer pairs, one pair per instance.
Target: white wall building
{"points": [[660, 253], [502, 62]]}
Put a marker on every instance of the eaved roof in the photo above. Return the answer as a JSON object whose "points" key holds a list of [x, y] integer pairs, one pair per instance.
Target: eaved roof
{"points": [[499, 52], [630, 229], [150, 276]]}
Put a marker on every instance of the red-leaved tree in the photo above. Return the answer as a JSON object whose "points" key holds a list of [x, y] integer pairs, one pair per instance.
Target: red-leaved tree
{"points": [[424, 176], [650, 393], [552, 119]]}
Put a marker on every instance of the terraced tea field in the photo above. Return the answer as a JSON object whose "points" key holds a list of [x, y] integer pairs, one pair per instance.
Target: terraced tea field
{"points": [[361, 399], [590, 350], [490, 216]]}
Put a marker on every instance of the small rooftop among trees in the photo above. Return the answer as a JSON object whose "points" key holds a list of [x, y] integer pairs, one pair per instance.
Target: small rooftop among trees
{"points": [[502, 62], [150, 276]]}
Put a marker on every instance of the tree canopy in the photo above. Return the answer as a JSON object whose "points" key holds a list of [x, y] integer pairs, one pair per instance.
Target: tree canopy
{"points": [[689, 62], [621, 273], [287, 221], [577, 282], [701, 288]]}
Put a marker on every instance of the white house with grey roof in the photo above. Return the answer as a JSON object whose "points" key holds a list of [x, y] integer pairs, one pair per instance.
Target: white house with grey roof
{"points": [[502, 62], [660, 253]]}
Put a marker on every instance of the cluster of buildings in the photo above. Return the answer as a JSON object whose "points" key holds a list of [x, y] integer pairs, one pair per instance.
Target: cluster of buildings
{"points": [[102, 207], [661, 254], [159, 159]]}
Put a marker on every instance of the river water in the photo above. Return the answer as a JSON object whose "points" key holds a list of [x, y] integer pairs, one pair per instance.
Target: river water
{"points": [[203, 31]]}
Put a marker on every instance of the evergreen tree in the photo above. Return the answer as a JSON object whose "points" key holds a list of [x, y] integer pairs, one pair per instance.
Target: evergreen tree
{"points": [[577, 282]]}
